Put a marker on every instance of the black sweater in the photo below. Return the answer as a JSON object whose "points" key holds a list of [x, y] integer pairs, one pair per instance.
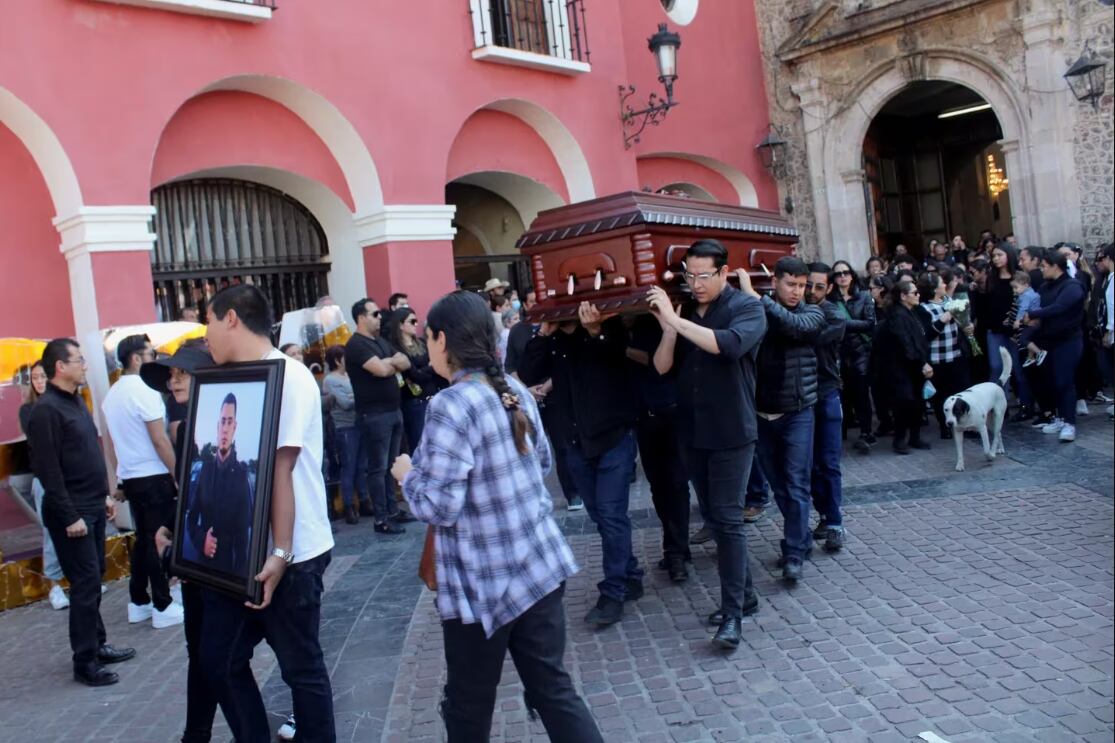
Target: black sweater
{"points": [[828, 349]]}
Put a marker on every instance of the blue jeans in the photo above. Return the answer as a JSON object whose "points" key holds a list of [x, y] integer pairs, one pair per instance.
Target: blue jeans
{"points": [[290, 625], [828, 433], [414, 420], [603, 483], [382, 434], [1062, 362], [995, 341], [51, 568], [354, 465], [786, 456]]}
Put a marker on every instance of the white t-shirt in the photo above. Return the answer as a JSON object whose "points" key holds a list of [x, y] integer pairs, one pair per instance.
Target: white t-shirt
{"points": [[300, 426], [129, 405]]}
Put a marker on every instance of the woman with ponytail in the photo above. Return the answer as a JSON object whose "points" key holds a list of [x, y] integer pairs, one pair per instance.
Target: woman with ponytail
{"points": [[501, 560]]}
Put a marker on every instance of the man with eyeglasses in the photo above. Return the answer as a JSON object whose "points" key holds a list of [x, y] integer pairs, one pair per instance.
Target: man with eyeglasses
{"points": [[786, 393], [827, 487], [136, 419], [374, 366], [66, 458], [713, 343]]}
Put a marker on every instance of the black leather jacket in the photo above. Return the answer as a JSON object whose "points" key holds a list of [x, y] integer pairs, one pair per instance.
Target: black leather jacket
{"points": [[855, 351], [787, 364]]}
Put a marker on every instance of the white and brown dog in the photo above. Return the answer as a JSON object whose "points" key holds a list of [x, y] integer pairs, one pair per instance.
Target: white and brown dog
{"points": [[977, 408]]}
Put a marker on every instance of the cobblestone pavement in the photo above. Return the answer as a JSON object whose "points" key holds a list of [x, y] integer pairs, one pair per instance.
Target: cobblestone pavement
{"points": [[975, 605]]}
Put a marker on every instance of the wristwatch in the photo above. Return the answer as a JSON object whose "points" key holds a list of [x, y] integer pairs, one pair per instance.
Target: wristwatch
{"points": [[287, 557]]}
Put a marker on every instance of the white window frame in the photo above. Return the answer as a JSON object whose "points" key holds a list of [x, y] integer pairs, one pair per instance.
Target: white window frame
{"points": [[487, 51], [234, 11]]}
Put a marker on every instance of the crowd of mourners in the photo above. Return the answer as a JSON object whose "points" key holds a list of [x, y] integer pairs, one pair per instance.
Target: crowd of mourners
{"points": [[740, 396]]}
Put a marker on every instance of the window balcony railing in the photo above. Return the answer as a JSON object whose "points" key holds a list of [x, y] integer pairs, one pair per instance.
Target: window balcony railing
{"points": [[543, 34], [252, 11]]}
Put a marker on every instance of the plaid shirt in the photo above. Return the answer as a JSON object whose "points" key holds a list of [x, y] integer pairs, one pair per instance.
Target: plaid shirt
{"points": [[944, 338], [499, 551]]}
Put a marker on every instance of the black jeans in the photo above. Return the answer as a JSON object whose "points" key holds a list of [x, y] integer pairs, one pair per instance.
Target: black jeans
{"points": [[660, 454], [561, 455], [152, 503], [948, 379], [857, 397], [719, 476], [83, 563], [230, 633], [474, 662], [201, 699], [383, 437]]}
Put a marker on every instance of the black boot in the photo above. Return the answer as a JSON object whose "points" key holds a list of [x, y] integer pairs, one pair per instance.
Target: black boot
{"points": [[900, 443], [350, 515]]}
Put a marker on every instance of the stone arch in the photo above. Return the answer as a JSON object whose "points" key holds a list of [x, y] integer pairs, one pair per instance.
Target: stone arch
{"points": [[326, 120], [563, 145], [841, 184], [46, 150], [744, 188]]}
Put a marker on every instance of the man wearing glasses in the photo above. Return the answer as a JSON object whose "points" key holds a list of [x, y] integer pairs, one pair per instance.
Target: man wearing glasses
{"points": [[787, 391], [713, 342], [374, 366], [66, 457], [136, 419]]}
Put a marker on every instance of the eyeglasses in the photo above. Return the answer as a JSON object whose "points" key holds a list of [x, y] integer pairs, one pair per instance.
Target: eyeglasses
{"points": [[79, 360], [693, 278], [838, 274], [810, 286]]}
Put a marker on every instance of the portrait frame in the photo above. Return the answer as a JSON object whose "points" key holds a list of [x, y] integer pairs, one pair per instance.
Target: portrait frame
{"points": [[213, 482]]}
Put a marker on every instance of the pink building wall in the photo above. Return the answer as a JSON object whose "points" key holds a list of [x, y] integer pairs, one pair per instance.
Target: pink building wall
{"points": [[381, 103]]}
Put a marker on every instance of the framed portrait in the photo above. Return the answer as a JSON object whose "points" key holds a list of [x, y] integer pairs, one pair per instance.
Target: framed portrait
{"points": [[222, 527]]}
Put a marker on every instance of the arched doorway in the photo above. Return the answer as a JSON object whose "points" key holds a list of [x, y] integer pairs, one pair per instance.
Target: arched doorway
{"points": [[213, 232], [933, 168]]}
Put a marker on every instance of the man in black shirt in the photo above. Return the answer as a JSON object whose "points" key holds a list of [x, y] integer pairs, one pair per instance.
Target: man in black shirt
{"points": [[373, 367], [66, 457], [587, 364], [827, 485], [713, 344]]}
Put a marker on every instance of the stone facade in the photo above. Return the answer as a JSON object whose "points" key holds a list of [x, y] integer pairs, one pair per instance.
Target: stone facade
{"points": [[832, 64]]}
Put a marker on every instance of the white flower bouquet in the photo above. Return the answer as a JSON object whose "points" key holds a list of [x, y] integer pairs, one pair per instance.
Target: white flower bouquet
{"points": [[960, 309]]}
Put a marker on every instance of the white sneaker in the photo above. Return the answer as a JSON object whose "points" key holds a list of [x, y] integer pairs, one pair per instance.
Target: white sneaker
{"points": [[1053, 427], [176, 593], [1068, 433], [141, 613], [1101, 397], [1081, 407], [168, 617], [104, 589], [286, 730], [1111, 411], [58, 597]]}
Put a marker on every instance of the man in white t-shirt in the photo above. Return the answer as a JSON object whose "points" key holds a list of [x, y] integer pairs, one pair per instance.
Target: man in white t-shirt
{"points": [[136, 419], [289, 615]]}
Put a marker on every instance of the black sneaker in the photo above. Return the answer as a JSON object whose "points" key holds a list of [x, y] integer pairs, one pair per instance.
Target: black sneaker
{"points": [[870, 438], [729, 634], [607, 611], [634, 590], [791, 570], [862, 445], [389, 527], [821, 531], [704, 534], [834, 539]]}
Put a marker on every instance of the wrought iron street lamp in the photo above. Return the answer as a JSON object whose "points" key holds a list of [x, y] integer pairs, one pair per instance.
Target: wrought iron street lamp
{"points": [[772, 151], [664, 46], [1087, 78]]}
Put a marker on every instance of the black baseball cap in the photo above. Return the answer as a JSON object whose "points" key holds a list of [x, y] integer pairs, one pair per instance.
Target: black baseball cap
{"points": [[188, 358]]}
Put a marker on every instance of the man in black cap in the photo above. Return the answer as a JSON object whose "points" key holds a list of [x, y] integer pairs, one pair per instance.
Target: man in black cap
{"points": [[66, 457]]}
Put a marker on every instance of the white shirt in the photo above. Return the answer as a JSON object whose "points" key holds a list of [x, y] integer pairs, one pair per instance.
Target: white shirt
{"points": [[128, 407], [300, 426]]}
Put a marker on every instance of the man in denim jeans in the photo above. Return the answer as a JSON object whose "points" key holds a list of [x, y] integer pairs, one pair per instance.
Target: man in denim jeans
{"points": [[828, 427], [786, 392], [587, 363], [373, 366], [289, 615]]}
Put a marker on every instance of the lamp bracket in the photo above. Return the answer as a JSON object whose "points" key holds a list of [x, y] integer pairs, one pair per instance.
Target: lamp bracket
{"points": [[655, 111]]}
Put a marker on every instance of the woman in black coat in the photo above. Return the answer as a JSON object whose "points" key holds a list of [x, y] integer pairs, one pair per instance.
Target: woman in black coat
{"points": [[858, 309], [904, 364]]}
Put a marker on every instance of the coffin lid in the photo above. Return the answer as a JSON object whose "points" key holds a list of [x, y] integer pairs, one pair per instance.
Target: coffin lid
{"points": [[622, 210]]}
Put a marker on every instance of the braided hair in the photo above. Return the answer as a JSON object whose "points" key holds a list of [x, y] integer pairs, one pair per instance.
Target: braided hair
{"points": [[471, 343]]}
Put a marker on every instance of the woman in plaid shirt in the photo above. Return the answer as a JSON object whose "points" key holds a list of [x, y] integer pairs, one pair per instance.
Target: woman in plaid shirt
{"points": [[950, 368], [502, 562]]}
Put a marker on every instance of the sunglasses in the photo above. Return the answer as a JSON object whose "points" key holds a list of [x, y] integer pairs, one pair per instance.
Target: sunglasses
{"points": [[412, 321], [377, 314], [838, 274]]}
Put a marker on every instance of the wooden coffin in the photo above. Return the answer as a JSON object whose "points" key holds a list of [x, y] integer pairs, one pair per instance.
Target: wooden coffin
{"points": [[610, 251]]}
